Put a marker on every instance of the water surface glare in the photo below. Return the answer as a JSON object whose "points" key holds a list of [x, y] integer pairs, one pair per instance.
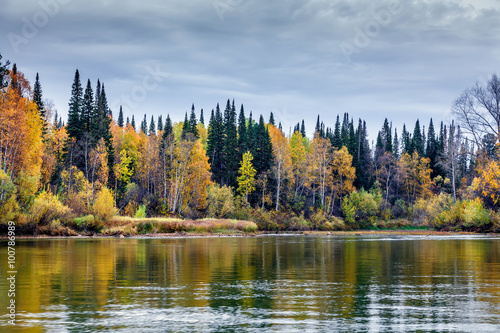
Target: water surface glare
{"points": [[256, 284]]}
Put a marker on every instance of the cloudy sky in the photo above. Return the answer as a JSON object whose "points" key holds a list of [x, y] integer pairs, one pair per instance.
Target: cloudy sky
{"points": [[400, 59]]}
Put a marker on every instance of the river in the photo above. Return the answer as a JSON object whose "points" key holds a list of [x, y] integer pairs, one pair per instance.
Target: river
{"points": [[256, 284]]}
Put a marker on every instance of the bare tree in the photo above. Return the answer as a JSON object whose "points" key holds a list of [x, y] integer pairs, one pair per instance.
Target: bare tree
{"points": [[478, 110]]}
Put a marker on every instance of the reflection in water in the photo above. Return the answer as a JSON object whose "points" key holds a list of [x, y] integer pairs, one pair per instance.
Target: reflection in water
{"points": [[273, 283]]}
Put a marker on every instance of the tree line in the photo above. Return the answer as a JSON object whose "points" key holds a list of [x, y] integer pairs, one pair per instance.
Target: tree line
{"points": [[236, 165]]}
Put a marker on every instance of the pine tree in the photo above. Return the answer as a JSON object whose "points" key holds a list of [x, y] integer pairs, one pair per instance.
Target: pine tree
{"points": [[202, 119], [303, 129], [88, 107], [406, 141], [37, 98], [133, 123], [120, 117], [167, 130], [418, 142], [185, 127], [242, 132], [215, 145], [193, 123], [152, 126], [160, 123], [14, 83], [4, 72], [74, 127], [344, 130], [395, 145], [431, 150], [317, 128], [263, 149], [337, 140], [364, 158], [231, 153], [271, 119], [144, 125], [387, 136], [250, 133]]}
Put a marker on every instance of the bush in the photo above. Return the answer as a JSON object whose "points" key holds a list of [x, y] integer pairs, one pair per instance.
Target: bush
{"points": [[8, 204], [298, 224], [76, 201], [104, 208], [425, 212], [361, 208], [47, 208], [220, 201], [399, 209], [465, 215], [131, 208], [140, 213]]}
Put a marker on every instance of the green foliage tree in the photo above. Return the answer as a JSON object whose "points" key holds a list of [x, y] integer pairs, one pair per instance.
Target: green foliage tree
{"points": [[120, 117], [74, 126], [246, 178]]}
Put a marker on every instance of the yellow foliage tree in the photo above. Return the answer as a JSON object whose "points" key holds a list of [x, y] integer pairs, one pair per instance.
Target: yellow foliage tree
{"points": [[343, 175], [199, 175], [299, 154], [282, 165], [487, 182], [246, 179]]}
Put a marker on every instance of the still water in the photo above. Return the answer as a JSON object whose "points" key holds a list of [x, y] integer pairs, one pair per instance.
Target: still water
{"points": [[258, 284]]}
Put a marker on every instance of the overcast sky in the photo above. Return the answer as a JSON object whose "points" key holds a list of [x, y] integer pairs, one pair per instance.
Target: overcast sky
{"points": [[298, 58]]}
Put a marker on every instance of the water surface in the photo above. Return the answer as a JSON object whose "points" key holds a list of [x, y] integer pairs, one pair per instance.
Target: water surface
{"points": [[268, 283]]}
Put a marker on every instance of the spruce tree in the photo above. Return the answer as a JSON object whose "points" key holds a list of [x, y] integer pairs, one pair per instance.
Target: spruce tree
{"points": [[242, 132], [185, 127], [407, 146], [133, 123], [317, 128], [160, 123], [144, 125], [167, 130], [95, 118], [88, 107], [337, 140], [271, 119], [432, 148], [395, 145], [37, 98], [250, 133], [303, 129], [152, 126], [74, 127], [344, 131], [387, 136], [364, 158], [231, 154], [202, 119], [193, 123], [417, 141], [263, 149], [128, 121], [14, 83], [215, 146], [120, 117], [4, 72]]}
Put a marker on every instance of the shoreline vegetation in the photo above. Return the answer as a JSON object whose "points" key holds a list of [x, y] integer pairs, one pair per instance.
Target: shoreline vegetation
{"points": [[98, 174]]}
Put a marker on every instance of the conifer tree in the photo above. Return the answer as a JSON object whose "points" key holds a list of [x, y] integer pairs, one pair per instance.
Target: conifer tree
{"points": [[128, 121], [185, 127], [202, 119], [160, 123], [250, 132], [336, 139], [37, 98], [215, 145], [242, 132], [152, 126], [4, 72], [263, 149], [167, 130], [231, 154], [133, 123], [303, 129], [344, 130], [120, 117], [417, 140], [271, 119], [14, 84], [193, 123], [395, 145], [144, 125], [317, 128], [406, 141], [88, 107], [75, 107]]}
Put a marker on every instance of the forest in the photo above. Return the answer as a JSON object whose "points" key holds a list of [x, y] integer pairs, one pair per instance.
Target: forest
{"points": [[82, 172]]}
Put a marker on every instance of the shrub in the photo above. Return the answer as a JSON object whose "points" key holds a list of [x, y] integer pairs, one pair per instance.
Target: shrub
{"points": [[131, 208], [220, 201], [145, 228], [8, 204], [298, 224], [465, 215], [361, 207], [399, 209], [76, 201], [425, 212], [104, 208], [140, 213], [47, 208]]}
